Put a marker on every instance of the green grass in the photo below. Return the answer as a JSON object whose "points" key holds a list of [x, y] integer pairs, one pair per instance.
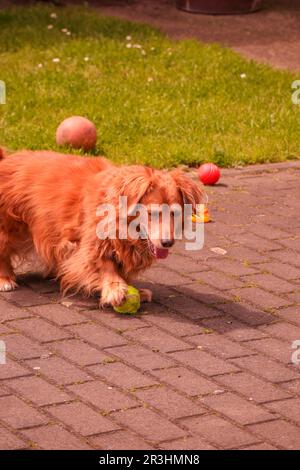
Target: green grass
{"points": [[182, 102]]}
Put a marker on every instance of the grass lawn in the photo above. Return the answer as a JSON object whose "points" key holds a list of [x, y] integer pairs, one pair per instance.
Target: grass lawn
{"points": [[162, 102]]}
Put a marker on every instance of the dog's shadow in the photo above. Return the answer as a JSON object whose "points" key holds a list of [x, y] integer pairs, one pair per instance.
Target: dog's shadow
{"points": [[171, 304], [216, 312]]}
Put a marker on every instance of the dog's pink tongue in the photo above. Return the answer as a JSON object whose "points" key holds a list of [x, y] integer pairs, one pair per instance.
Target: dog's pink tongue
{"points": [[161, 253]]}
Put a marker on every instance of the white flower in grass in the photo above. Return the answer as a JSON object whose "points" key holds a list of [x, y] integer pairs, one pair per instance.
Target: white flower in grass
{"points": [[56, 60], [243, 75], [50, 26], [64, 30], [53, 15], [128, 45], [137, 46], [150, 79], [68, 33], [143, 52], [40, 66], [86, 59], [128, 38]]}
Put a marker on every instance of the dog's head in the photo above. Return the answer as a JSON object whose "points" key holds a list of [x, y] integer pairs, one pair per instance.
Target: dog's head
{"points": [[155, 204]]}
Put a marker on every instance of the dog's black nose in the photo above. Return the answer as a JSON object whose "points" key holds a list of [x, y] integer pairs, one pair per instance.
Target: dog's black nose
{"points": [[167, 243]]}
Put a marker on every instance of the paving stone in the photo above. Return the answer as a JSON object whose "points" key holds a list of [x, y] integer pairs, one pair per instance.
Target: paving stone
{"points": [[38, 391], [282, 330], [5, 329], [58, 369], [289, 409], [294, 297], [238, 409], [266, 368], [186, 381], [80, 352], [232, 267], [17, 414], [40, 330], [22, 347], [246, 313], [4, 391], [205, 294], [291, 314], [83, 419], [115, 320], [98, 335], [256, 243], [189, 307], [24, 297], [58, 314], [219, 345], [8, 441], [222, 281], [174, 323], [12, 369], [253, 388], [232, 328], [288, 257], [104, 397], [158, 340], [54, 437], [262, 446], [141, 357], [187, 443], [9, 311], [292, 386], [169, 402], [281, 433], [166, 277], [150, 425], [284, 271], [271, 283], [120, 374], [204, 362], [120, 440], [260, 297], [219, 431], [274, 348]]}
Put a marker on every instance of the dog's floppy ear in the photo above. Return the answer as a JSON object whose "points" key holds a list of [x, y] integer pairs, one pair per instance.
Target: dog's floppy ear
{"points": [[192, 192]]}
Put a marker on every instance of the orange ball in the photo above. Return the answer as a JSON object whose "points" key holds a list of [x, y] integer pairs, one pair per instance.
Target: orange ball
{"points": [[77, 132], [209, 173]]}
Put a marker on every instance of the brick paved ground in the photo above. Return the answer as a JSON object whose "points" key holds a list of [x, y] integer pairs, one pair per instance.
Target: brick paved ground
{"points": [[206, 366]]}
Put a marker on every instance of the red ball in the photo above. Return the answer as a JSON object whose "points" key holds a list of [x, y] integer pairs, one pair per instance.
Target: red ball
{"points": [[77, 132], [209, 173]]}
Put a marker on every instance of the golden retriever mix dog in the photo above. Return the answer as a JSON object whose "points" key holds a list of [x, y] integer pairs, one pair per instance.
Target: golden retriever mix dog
{"points": [[49, 203]]}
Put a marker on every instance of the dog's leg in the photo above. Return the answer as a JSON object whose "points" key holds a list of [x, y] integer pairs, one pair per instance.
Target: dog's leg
{"points": [[93, 276], [113, 287], [7, 277], [146, 295]]}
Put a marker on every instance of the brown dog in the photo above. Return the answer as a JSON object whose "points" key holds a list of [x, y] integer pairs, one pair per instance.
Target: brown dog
{"points": [[49, 202]]}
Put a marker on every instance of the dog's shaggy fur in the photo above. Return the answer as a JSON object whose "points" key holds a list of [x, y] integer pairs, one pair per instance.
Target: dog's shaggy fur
{"points": [[49, 201]]}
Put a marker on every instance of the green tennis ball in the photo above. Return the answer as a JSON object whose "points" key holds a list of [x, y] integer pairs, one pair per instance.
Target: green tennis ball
{"points": [[132, 302]]}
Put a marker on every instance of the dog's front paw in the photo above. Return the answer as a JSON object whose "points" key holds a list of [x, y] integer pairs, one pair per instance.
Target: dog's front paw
{"points": [[7, 284], [114, 293], [146, 295]]}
